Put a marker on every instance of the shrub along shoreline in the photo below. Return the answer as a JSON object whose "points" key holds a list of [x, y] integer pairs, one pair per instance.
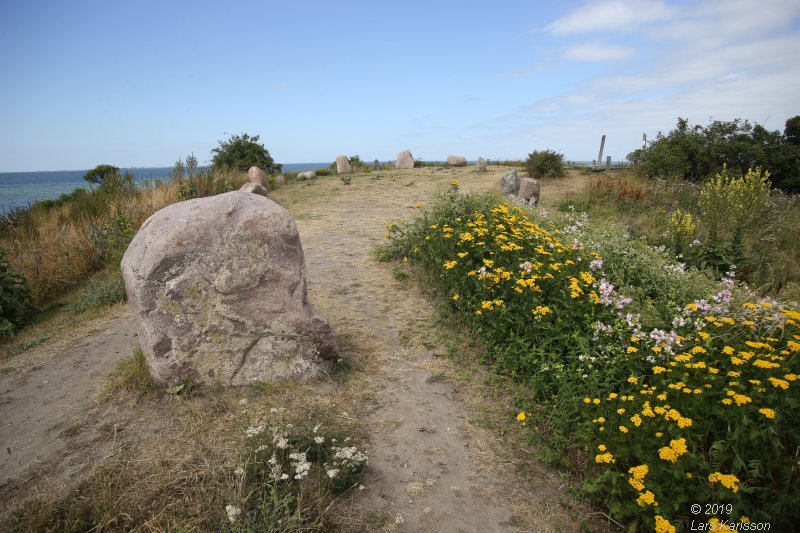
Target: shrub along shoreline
{"points": [[679, 389]]}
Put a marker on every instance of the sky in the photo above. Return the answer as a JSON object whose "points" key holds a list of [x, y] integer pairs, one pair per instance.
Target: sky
{"points": [[141, 83]]}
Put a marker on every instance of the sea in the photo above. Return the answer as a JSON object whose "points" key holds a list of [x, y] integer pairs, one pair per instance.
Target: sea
{"points": [[21, 189]]}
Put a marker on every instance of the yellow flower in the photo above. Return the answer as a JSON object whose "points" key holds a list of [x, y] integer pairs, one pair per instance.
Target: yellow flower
{"points": [[632, 349], [449, 264], [635, 339], [521, 416], [455, 297], [623, 429], [632, 380], [769, 413], [604, 458], [645, 499], [659, 369], [637, 420], [663, 525], [454, 183], [587, 400], [779, 383], [729, 481]]}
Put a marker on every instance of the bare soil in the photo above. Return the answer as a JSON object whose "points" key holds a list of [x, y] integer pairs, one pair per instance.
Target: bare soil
{"points": [[433, 464]]}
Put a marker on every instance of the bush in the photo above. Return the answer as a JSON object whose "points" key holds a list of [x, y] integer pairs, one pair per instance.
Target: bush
{"points": [[240, 152], [545, 164], [694, 153], [102, 290], [16, 305]]}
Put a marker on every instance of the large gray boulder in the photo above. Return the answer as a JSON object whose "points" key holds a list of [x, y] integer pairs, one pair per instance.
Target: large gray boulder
{"points": [[307, 175], [456, 161], [218, 288], [529, 189], [343, 165], [404, 160], [256, 175], [509, 183]]}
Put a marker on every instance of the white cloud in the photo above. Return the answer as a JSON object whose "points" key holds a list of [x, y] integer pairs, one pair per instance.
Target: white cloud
{"points": [[615, 15], [703, 59], [596, 51]]}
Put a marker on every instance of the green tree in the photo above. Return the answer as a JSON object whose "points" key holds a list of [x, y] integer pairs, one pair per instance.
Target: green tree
{"points": [[545, 164], [101, 173], [240, 152]]}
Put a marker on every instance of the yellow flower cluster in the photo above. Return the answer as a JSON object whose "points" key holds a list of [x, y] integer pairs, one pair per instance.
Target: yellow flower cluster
{"points": [[604, 458], [646, 498], [663, 525], [729, 481], [638, 473], [676, 448]]}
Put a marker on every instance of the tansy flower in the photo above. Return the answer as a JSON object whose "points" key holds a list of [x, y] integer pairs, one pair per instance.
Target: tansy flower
{"points": [[729, 481], [769, 413]]}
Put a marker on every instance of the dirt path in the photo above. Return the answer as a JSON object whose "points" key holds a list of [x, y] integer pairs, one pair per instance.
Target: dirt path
{"points": [[44, 398], [431, 468]]}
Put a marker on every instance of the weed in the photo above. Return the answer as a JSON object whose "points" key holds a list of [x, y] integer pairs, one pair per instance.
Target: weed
{"points": [[132, 374]]}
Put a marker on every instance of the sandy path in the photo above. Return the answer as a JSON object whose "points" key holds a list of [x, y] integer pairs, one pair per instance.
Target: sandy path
{"points": [[45, 398], [423, 473]]}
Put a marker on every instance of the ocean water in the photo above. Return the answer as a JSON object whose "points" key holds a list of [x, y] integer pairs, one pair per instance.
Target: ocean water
{"points": [[21, 189]]}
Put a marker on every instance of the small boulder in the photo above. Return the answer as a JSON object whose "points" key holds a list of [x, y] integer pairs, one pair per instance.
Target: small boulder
{"points": [[509, 183], [343, 165], [254, 188], [404, 160], [376, 165], [217, 286], [308, 175], [280, 180], [529, 191], [456, 161], [481, 165], [256, 175]]}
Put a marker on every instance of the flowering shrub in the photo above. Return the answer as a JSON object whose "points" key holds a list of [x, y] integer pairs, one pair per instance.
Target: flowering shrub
{"points": [[280, 461], [698, 406]]}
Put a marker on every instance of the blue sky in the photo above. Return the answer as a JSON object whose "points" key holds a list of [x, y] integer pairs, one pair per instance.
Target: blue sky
{"points": [[144, 83]]}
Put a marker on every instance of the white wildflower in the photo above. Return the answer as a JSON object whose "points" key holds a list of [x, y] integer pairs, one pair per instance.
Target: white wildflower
{"points": [[332, 472], [239, 471], [254, 431], [233, 512], [319, 440]]}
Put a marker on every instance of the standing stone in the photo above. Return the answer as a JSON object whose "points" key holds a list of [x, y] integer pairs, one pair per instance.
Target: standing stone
{"points": [[509, 183], [456, 161], [343, 165], [481, 164], [256, 175], [404, 160], [376, 165], [218, 288], [280, 179], [308, 175], [529, 190]]}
